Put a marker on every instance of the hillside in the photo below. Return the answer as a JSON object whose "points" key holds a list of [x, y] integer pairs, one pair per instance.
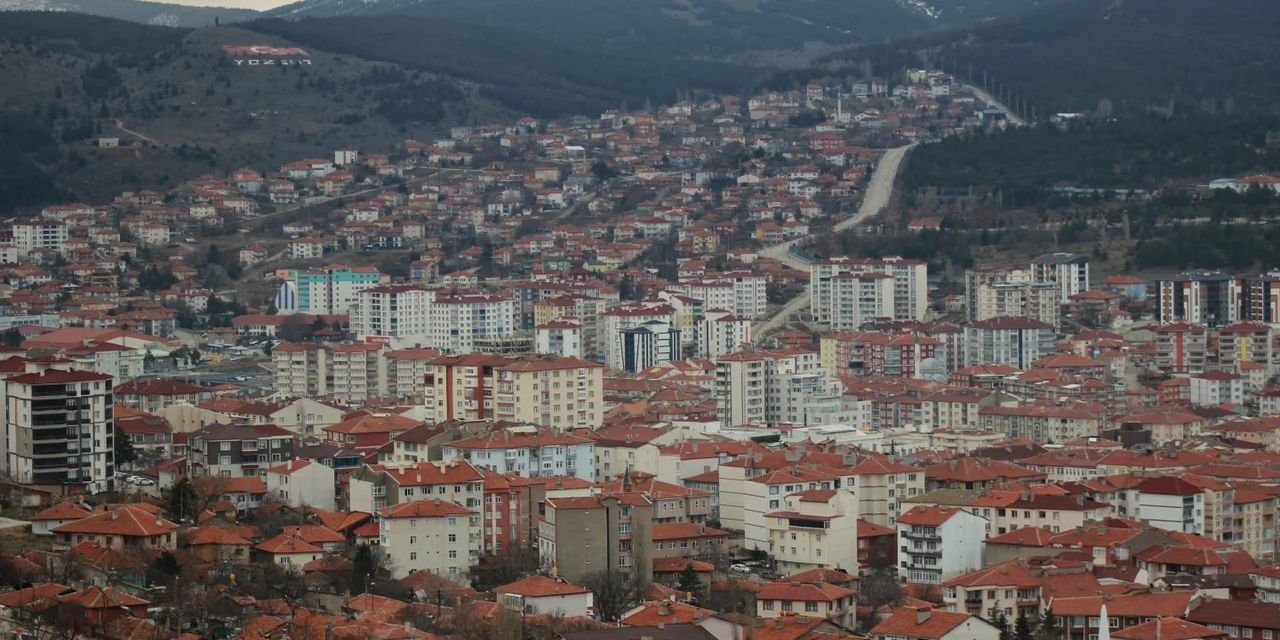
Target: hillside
{"points": [[727, 30], [539, 76], [189, 109], [1136, 54], [140, 11]]}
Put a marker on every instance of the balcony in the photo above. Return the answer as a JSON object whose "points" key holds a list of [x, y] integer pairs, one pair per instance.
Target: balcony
{"points": [[919, 535]]}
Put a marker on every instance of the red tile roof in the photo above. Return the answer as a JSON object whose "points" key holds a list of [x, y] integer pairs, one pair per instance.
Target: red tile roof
{"points": [[62, 511], [1167, 629], [930, 516], [664, 612], [540, 586], [911, 622], [128, 521], [288, 544], [424, 509], [803, 592]]}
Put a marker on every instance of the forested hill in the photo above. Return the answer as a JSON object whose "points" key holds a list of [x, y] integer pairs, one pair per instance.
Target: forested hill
{"points": [[140, 11], [1125, 55], [536, 75]]}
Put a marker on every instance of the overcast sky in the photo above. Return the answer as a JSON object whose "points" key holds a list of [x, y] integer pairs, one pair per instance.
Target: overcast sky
{"points": [[242, 4]]}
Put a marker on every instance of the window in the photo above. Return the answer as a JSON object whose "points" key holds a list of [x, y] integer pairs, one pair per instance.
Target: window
{"points": [[453, 537], [786, 605], [453, 553], [413, 555], [768, 605], [413, 539], [810, 607]]}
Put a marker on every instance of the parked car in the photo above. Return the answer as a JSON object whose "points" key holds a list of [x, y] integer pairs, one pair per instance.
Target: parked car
{"points": [[739, 568]]}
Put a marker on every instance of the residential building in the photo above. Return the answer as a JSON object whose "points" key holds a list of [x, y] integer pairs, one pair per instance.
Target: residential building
{"points": [[1216, 388], [461, 387], [357, 371], [556, 393], [939, 543], [526, 451], [858, 298], [911, 284], [1170, 503], [332, 290], [620, 319], [770, 387], [373, 487], [721, 333], [649, 344], [1181, 347], [301, 369], [561, 338], [302, 483], [541, 595], [1035, 300], [1017, 342], [127, 527], [815, 599], [1201, 297], [59, 430], [581, 536], [1068, 271], [924, 623], [429, 535], [813, 529], [230, 450]]}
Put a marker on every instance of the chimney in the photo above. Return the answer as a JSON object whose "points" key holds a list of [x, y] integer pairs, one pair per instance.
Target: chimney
{"points": [[777, 623], [922, 615], [664, 608]]}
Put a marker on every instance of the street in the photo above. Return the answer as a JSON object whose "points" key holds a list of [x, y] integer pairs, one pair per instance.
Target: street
{"points": [[879, 192]]}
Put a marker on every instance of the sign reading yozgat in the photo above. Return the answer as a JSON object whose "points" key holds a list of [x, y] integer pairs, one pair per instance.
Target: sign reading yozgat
{"points": [[262, 56]]}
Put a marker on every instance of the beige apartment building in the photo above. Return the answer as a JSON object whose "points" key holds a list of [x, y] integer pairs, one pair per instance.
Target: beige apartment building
{"points": [[555, 393]]}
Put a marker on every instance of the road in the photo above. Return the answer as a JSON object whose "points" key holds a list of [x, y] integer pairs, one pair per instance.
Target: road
{"points": [[879, 193], [991, 100], [120, 126]]}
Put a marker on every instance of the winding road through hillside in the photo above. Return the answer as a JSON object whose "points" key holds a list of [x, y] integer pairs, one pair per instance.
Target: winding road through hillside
{"points": [[879, 192]]}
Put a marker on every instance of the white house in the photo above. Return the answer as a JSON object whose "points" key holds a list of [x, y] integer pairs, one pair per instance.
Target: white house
{"points": [[544, 595], [301, 483], [526, 451], [1170, 503], [430, 535], [1215, 388], [938, 543], [43, 523]]}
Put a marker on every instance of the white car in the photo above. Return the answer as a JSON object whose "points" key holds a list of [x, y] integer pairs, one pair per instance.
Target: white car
{"points": [[739, 568], [141, 481]]}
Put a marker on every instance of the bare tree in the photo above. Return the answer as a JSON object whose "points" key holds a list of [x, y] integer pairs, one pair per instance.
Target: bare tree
{"points": [[615, 593]]}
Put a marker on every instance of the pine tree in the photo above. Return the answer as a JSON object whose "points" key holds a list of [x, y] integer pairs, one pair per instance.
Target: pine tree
{"points": [[689, 582], [1022, 626], [1048, 627], [1001, 623]]}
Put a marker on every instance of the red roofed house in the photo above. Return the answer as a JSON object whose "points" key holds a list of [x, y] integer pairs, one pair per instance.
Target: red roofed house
{"points": [[1170, 628], [290, 551], [430, 535], [155, 394], [817, 599], [367, 432], [44, 522], [126, 527], [922, 623], [939, 543], [543, 595], [813, 529]]}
